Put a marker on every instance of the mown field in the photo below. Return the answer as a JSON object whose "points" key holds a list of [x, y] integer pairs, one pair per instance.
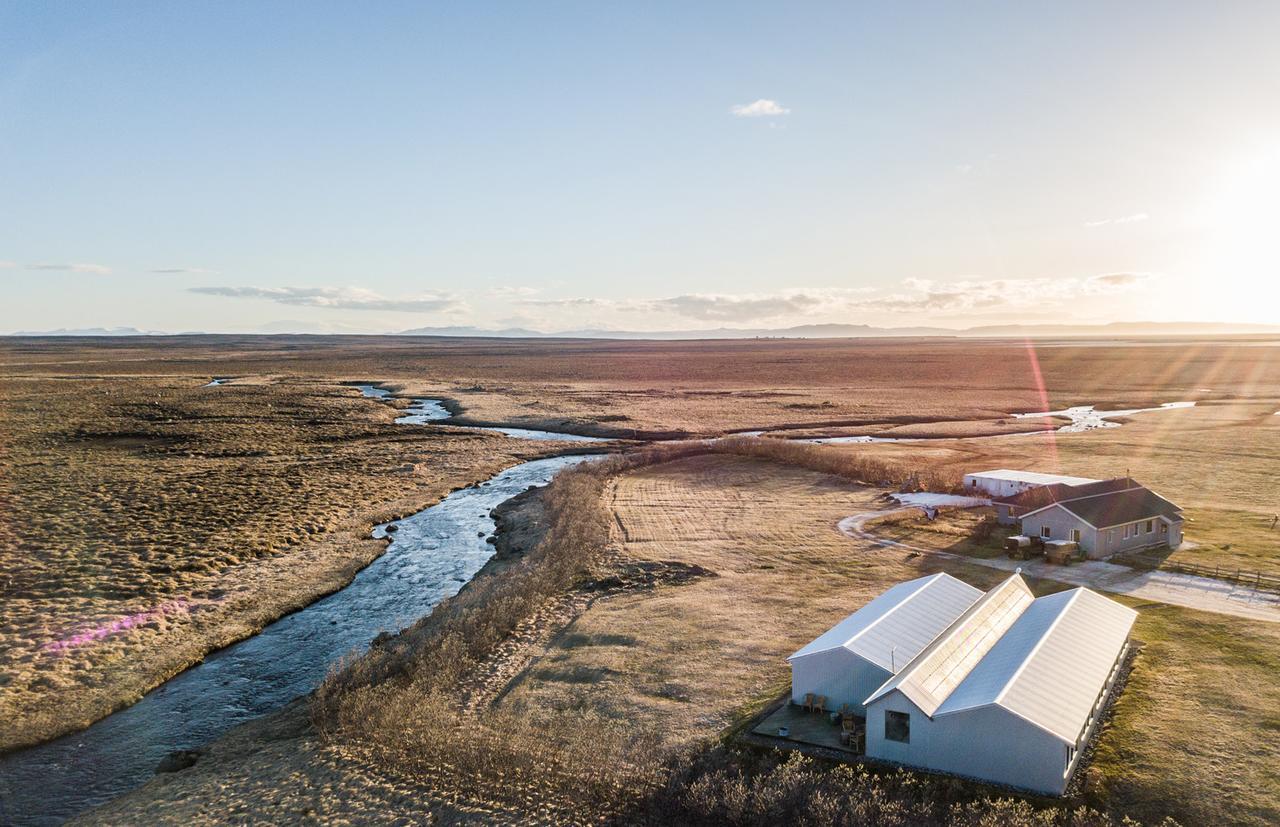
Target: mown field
{"points": [[148, 520]]}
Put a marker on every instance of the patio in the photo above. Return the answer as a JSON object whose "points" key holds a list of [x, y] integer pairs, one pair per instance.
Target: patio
{"points": [[812, 728]]}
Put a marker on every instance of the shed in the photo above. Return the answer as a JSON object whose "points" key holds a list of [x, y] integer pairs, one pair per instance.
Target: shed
{"points": [[1004, 482], [848, 661]]}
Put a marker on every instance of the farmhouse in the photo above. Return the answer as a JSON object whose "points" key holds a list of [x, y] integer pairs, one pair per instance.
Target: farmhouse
{"points": [[1004, 483], [1000, 686], [1104, 517], [847, 662]]}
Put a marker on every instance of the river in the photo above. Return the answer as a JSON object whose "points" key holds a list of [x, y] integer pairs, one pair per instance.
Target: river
{"points": [[430, 556]]}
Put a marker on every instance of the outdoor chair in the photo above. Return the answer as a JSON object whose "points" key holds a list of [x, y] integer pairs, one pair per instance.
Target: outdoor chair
{"points": [[820, 704], [846, 712], [808, 702]]}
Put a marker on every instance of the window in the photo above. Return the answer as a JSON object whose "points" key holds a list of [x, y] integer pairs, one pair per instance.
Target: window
{"points": [[1137, 529], [897, 727], [1071, 756], [1075, 535], [1045, 532], [1151, 526], [1111, 536]]}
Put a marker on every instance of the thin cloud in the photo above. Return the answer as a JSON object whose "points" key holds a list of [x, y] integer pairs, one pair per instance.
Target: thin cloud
{"points": [[512, 292], [8, 265], [96, 269], [1124, 219], [1110, 282], [750, 307], [173, 271], [927, 295], [727, 308], [763, 108], [336, 298], [569, 302]]}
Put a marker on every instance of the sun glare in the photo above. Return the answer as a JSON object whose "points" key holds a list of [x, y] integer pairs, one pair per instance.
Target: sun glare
{"points": [[1243, 219]]}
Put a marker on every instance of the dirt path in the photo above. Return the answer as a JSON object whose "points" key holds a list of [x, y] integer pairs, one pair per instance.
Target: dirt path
{"points": [[1203, 593]]}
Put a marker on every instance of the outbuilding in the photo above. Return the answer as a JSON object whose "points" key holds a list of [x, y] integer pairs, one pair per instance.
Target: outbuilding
{"points": [[1003, 482], [1010, 692], [846, 663]]}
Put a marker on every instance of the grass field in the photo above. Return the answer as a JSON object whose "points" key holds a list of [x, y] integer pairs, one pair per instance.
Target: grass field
{"points": [[666, 671], [711, 387], [148, 520]]}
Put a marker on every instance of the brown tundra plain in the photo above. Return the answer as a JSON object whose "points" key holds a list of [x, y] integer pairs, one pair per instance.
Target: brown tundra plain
{"points": [[637, 612]]}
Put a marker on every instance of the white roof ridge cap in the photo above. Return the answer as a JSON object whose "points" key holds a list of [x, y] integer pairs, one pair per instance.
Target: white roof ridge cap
{"points": [[999, 699], [903, 676]]}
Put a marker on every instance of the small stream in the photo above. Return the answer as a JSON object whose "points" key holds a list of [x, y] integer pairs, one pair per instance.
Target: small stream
{"points": [[1082, 418], [431, 555], [423, 411]]}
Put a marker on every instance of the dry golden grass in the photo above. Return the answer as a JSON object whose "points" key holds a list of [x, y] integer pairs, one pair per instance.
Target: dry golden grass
{"points": [[711, 387], [653, 672], [148, 520]]}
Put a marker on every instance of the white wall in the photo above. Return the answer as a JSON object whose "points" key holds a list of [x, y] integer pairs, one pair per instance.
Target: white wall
{"points": [[995, 487], [842, 676], [989, 743]]}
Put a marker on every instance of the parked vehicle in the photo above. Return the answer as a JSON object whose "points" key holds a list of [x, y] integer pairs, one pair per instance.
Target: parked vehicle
{"points": [[1022, 547]]}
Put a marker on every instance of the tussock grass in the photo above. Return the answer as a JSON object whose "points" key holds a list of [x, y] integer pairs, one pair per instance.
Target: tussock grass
{"points": [[147, 520]]}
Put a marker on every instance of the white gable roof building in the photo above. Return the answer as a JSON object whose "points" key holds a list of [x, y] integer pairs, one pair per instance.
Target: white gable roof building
{"points": [[849, 661], [1001, 685], [1009, 693]]}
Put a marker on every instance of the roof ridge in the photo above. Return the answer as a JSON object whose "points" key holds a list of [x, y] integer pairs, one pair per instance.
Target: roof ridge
{"points": [[1077, 591], [902, 676]]}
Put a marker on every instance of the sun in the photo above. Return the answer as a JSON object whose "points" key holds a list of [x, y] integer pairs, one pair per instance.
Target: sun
{"points": [[1242, 217]]}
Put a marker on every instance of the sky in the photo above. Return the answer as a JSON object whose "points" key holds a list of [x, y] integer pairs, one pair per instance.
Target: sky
{"points": [[356, 167]]}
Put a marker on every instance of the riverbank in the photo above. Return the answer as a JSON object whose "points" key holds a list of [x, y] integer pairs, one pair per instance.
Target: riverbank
{"points": [[280, 768], [161, 521]]}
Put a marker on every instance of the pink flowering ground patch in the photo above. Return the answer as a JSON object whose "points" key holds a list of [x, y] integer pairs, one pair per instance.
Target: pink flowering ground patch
{"points": [[169, 608]]}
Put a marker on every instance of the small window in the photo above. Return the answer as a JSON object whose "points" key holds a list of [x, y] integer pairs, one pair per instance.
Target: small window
{"points": [[1111, 536], [897, 727], [1151, 526], [1075, 535], [1137, 529], [1045, 532]]}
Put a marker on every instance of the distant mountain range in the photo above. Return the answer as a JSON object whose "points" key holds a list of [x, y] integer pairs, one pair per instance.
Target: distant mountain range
{"points": [[854, 331], [808, 331], [89, 331]]}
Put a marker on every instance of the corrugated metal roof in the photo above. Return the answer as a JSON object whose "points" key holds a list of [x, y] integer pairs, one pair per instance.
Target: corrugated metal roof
{"points": [[1051, 664], [892, 629], [1034, 477], [940, 667]]}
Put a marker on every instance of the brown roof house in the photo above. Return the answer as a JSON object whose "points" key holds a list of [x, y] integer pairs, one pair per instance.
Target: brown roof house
{"points": [[1104, 517]]}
